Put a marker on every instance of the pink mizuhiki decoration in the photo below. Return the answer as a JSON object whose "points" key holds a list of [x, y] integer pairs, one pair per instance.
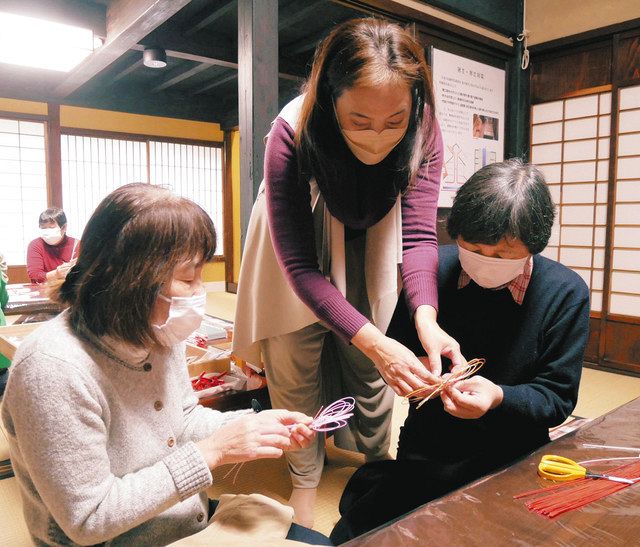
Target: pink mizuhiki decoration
{"points": [[333, 417]]}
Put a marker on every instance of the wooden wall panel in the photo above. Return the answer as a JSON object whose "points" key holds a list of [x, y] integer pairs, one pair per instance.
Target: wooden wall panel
{"points": [[565, 75], [591, 353], [18, 274], [627, 62], [441, 226], [605, 63], [622, 345]]}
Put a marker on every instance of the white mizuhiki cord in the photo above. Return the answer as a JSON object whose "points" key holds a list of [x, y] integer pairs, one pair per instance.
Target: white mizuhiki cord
{"points": [[609, 459], [607, 447], [623, 448]]}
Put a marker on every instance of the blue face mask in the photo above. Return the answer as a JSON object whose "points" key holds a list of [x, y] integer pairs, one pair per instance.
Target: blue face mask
{"points": [[185, 316]]}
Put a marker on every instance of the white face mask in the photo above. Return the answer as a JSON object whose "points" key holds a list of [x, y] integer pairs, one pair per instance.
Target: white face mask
{"points": [[185, 316], [371, 147], [490, 272], [51, 236]]}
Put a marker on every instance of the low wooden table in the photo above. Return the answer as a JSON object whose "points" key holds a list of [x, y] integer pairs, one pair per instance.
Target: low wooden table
{"points": [[29, 298], [484, 512]]}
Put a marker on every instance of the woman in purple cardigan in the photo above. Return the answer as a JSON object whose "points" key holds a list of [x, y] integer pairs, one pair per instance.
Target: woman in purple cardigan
{"points": [[345, 218]]}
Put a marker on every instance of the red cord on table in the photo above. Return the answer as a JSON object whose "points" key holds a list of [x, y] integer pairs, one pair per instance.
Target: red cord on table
{"points": [[201, 382]]}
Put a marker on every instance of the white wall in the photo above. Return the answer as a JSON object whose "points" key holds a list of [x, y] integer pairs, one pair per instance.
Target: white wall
{"points": [[551, 19]]}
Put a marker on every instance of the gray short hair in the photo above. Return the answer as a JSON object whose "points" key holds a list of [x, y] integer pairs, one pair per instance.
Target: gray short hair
{"points": [[506, 199]]}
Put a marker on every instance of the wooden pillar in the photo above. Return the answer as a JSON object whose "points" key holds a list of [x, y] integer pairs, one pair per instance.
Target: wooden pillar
{"points": [[517, 127], [53, 155], [227, 213], [257, 93]]}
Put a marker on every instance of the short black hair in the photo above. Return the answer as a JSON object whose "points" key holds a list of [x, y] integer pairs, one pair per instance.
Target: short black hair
{"points": [[52, 214], [505, 199]]}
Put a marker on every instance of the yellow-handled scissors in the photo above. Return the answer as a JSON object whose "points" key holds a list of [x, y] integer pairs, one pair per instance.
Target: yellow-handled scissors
{"points": [[559, 468]]}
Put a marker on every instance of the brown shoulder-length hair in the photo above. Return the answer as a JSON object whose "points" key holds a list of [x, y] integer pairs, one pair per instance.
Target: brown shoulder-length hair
{"points": [[133, 241], [364, 52]]}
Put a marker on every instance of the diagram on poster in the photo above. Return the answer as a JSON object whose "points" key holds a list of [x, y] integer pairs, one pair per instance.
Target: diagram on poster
{"points": [[470, 98]]}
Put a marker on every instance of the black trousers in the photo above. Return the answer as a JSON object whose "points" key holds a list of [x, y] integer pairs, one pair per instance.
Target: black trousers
{"points": [[380, 492], [296, 532]]}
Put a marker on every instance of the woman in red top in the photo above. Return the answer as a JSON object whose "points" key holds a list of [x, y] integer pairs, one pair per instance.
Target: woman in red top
{"points": [[50, 255]]}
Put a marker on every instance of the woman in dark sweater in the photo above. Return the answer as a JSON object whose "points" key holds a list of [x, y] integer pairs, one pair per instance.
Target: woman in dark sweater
{"points": [[346, 210], [528, 316]]}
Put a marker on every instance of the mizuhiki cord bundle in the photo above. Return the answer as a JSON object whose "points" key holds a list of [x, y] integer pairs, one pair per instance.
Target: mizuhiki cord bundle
{"points": [[426, 393], [333, 417], [553, 501]]}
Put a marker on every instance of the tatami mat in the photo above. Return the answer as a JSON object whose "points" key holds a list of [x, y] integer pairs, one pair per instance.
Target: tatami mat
{"points": [[13, 532], [600, 392], [222, 305]]}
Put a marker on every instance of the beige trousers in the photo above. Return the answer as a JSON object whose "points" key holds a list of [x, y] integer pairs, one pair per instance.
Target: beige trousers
{"points": [[312, 367]]}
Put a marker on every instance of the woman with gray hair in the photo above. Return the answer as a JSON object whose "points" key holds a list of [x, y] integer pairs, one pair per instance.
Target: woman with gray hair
{"points": [[526, 315]]}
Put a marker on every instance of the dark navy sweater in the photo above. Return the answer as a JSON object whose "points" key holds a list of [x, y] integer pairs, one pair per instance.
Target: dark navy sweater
{"points": [[534, 351]]}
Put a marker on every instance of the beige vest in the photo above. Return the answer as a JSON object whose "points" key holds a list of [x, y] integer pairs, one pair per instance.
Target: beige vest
{"points": [[267, 306]]}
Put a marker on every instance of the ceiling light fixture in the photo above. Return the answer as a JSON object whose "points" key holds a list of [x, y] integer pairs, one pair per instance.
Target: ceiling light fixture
{"points": [[44, 44], [154, 57]]}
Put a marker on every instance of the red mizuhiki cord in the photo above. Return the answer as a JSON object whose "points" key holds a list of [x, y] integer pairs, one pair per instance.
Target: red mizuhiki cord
{"points": [[561, 498]]}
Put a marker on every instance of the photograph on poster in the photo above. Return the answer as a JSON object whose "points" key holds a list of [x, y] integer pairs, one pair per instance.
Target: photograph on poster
{"points": [[485, 127], [470, 107]]}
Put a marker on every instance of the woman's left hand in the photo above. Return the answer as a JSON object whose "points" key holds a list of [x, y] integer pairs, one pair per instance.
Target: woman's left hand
{"points": [[471, 398], [435, 341]]}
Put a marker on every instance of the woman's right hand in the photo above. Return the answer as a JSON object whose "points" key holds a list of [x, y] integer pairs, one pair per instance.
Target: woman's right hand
{"points": [[263, 435], [397, 364]]}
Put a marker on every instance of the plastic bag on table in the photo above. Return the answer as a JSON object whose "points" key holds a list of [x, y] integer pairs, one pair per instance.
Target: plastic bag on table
{"points": [[234, 379]]}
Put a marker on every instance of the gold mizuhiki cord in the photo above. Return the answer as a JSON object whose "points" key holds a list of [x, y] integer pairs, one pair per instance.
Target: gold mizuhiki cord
{"points": [[426, 393]]}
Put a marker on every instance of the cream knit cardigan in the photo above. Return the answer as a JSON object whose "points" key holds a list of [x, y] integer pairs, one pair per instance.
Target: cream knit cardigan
{"points": [[102, 452]]}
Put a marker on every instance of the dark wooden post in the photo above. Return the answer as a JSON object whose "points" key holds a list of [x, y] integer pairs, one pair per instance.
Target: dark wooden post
{"points": [[517, 130], [257, 93], [53, 154], [227, 213]]}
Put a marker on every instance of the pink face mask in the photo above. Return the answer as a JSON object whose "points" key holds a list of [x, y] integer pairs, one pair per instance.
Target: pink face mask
{"points": [[489, 272]]}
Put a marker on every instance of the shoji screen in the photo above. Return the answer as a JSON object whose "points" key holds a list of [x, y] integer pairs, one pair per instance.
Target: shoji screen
{"points": [[570, 143], [94, 166], [23, 185], [194, 172], [625, 276]]}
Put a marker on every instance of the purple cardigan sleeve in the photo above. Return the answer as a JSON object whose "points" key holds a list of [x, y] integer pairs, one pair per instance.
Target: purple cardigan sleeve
{"points": [[419, 267], [292, 233]]}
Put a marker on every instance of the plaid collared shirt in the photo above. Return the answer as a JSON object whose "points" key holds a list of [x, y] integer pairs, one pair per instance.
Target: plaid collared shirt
{"points": [[517, 287]]}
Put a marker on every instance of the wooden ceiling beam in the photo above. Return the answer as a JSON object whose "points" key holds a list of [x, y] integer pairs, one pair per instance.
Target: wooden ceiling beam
{"points": [[302, 46], [186, 56], [215, 62], [210, 18], [132, 67], [128, 22], [216, 83], [181, 76], [298, 15]]}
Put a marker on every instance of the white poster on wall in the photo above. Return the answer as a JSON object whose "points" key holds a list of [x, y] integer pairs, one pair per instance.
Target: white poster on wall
{"points": [[470, 99]]}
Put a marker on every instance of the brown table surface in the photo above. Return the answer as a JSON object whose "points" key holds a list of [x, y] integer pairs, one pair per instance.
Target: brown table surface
{"points": [[29, 298], [485, 513]]}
